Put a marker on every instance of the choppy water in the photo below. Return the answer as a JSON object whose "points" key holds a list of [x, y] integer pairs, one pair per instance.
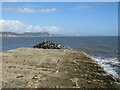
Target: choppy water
{"points": [[103, 50]]}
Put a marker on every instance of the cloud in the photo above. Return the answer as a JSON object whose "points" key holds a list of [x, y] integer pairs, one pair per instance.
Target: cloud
{"points": [[48, 10], [19, 27], [21, 10], [81, 7], [29, 10]]}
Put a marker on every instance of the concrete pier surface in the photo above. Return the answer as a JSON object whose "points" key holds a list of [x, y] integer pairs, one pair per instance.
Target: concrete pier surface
{"points": [[53, 68]]}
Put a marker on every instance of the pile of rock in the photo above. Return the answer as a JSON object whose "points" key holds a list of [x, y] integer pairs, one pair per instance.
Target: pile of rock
{"points": [[49, 45]]}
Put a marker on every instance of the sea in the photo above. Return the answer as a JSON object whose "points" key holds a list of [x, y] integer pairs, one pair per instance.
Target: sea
{"points": [[103, 49]]}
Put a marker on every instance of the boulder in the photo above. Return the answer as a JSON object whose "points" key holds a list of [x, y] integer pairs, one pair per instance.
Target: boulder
{"points": [[49, 45]]}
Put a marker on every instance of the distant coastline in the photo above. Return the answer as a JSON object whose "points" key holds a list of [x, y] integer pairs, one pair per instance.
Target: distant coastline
{"points": [[27, 34]]}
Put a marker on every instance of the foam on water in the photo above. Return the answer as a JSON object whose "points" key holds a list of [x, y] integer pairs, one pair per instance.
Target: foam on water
{"points": [[111, 65]]}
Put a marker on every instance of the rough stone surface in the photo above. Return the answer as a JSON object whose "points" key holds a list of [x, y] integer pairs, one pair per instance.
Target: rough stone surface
{"points": [[53, 68], [49, 45]]}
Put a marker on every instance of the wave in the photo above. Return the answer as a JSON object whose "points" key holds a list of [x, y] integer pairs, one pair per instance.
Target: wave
{"points": [[111, 65]]}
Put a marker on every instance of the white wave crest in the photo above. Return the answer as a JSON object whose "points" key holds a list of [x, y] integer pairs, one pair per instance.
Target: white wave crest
{"points": [[109, 65]]}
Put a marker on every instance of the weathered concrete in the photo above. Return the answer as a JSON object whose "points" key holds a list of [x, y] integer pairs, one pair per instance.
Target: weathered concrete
{"points": [[53, 68]]}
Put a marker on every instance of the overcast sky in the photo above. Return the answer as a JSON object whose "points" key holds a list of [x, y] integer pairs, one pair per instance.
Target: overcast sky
{"points": [[84, 19]]}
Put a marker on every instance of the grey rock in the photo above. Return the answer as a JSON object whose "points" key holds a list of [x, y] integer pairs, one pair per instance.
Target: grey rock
{"points": [[49, 45]]}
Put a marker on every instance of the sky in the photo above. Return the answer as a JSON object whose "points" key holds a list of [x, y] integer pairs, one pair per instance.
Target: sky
{"points": [[68, 18], [60, 0]]}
